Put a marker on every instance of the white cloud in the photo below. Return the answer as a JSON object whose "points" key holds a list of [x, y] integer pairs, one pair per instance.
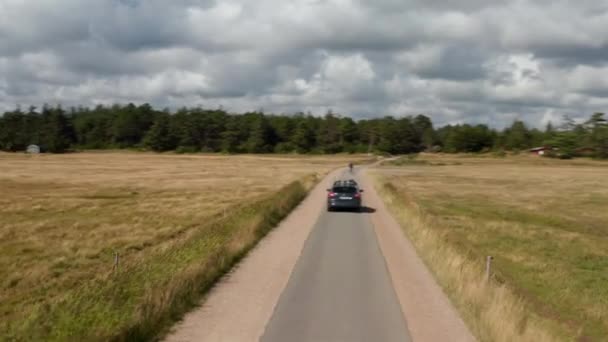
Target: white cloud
{"points": [[589, 80], [471, 60]]}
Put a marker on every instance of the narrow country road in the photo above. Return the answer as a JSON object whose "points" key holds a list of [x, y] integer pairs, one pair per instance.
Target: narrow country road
{"points": [[328, 277], [340, 289]]}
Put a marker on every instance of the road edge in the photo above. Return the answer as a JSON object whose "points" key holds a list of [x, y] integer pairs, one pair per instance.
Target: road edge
{"points": [[241, 304], [430, 316]]}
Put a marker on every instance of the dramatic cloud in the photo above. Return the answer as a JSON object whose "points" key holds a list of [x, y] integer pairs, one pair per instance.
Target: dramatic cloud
{"points": [[478, 61]]}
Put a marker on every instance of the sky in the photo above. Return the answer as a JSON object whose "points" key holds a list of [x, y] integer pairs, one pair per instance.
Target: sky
{"points": [[475, 61]]}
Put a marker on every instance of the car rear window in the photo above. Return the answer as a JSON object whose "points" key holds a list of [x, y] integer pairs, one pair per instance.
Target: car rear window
{"points": [[345, 189]]}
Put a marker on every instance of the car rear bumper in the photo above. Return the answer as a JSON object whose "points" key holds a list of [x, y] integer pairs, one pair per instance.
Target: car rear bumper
{"points": [[345, 204]]}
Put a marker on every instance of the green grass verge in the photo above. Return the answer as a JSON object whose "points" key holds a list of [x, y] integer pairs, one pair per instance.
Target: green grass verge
{"points": [[491, 310], [140, 302], [548, 242]]}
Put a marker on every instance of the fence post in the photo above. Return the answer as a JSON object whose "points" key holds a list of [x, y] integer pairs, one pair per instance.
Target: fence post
{"points": [[116, 261], [488, 267]]}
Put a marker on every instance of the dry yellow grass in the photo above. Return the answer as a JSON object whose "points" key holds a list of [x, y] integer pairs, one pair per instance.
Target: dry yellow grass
{"points": [[63, 216], [544, 221]]}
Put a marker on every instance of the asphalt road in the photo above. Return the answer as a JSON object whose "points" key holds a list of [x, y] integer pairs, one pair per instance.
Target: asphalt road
{"points": [[340, 288]]}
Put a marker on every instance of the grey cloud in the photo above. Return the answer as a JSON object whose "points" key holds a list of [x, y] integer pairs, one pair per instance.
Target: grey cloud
{"points": [[471, 60], [392, 6], [462, 62], [571, 56]]}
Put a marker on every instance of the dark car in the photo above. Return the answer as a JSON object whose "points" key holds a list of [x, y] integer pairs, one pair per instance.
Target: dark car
{"points": [[344, 195]]}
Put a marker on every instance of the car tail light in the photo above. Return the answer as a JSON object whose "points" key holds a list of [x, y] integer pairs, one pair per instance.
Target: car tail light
{"points": [[357, 195], [331, 194]]}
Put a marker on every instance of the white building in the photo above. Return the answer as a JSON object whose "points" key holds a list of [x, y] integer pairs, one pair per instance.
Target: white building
{"points": [[34, 149]]}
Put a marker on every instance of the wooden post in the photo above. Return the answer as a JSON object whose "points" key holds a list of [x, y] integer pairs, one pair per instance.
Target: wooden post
{"points": [[116, 261], [488, 267]]}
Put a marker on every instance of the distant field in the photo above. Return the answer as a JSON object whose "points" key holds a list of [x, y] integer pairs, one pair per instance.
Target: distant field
{"points": [[62, 218], [544, 221]]}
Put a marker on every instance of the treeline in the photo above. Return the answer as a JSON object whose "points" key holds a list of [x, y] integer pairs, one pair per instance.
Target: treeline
{"points": [[569, 140], [57, 130]]}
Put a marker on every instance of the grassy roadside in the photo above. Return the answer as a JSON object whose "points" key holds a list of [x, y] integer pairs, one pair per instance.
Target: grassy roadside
{"points": [[62, 218], [492, 311], [143, 299], [544, 221]]}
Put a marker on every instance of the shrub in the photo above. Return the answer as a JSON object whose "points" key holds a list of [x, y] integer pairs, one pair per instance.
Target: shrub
{"points": [[284, 147], [187, 149], [499, 153]]}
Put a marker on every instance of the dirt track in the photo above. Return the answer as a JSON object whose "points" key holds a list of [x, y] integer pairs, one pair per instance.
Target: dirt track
{"points": [[321, 277]]}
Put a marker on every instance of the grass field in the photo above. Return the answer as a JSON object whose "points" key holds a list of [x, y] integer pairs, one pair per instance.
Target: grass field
{"points": [[177, 222], [544, 221]]}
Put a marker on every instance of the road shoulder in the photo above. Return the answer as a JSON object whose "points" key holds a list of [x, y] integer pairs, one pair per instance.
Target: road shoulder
{"points": [[240, 305], [430, 315]]}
